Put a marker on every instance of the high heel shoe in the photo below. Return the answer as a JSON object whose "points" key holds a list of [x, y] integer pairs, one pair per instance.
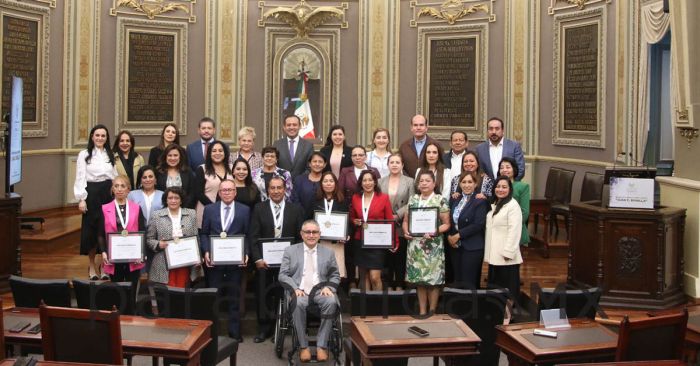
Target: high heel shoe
{"points": [[92, 276]]}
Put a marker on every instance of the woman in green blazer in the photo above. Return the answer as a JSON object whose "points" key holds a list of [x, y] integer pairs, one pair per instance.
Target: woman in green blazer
{"points": [[521, 193]]}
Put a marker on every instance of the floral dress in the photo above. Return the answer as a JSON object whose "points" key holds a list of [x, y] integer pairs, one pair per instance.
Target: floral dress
{"points": [[425, 259]]}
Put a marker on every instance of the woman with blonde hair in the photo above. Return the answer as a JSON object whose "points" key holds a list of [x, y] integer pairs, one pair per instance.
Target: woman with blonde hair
{"points": [[246, 151]]}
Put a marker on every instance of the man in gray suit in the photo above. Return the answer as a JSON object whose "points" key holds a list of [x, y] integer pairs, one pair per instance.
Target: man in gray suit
{"points": [[496, 148], [295, 151], [312, 273]]}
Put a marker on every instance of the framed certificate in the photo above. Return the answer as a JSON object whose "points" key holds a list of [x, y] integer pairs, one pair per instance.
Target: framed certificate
{"points": [[273, 250], [422, 220], [333, 226], [183, 252], [227, 250], [125, 247], [378, 234]]}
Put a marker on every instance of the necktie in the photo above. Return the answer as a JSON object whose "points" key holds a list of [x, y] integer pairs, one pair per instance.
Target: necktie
{"points": [[307, 282], [206, 147], [227, 211], [291, 149], [278, 224]]}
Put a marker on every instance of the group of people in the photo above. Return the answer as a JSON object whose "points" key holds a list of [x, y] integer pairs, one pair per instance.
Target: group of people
{"points": [[205, 189]]}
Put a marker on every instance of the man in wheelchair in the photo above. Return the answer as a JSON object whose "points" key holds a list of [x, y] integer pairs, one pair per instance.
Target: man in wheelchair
{"points": [[309, 273]]}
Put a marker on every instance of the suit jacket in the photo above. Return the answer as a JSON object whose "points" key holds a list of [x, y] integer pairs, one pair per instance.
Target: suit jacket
{"points": [[344, 162], [510, 148], [411, 159], [301, 157], [471, 222], [262, 225], [195, 155], [292, 268], [121, 170], [347, 183], [503, 232], [135, 222], [211, 225], [379, 209], [187, 184], [161, 228], [156, 203], [404, 191]]}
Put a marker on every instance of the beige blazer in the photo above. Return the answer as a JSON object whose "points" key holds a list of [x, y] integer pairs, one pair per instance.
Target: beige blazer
{"points": [[399, 201], [503, 235]]}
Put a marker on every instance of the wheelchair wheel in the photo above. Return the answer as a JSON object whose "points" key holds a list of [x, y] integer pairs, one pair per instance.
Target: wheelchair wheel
{"points": [[338, 339], [280, 328]]}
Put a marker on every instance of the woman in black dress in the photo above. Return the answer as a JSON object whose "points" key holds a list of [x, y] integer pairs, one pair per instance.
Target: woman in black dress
{"points": [[169, 135], [173, 171], [247, 192], [93, 188]]}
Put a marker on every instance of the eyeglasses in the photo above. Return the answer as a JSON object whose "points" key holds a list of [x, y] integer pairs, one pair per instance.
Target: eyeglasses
{"points": [[311, 232], [227, 190]]}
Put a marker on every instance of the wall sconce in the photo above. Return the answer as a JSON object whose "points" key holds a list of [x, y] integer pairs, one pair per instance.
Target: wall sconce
{"points": [[689, 133]]}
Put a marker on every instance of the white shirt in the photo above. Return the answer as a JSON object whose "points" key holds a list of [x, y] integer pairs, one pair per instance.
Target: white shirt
{"points": [[98, 170], [358, 171], [296, 144], [202, 143], [272, 207], [456, 162], [231, 211], [378, 162], [495, 153], [314, 275]]}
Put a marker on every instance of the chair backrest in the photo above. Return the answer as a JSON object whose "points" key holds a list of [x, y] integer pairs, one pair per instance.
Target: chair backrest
{"points": [[564, 184], [481, 310], [380, 303], [2, 331], [80, 335], [105, 296], [577, 303], [658, 338], [551, 184], [592, 187], [29, 292], [199, 304]]}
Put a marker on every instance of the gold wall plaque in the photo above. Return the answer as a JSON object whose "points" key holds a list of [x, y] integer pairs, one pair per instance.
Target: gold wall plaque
{"points": [[152, 9], [302, 17], [451, 12]]}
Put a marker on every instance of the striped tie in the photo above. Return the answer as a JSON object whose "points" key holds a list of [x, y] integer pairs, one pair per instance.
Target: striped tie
{"points": [[278, 226]]}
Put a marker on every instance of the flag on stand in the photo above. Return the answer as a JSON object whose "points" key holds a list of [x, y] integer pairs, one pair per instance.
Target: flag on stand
{"points": [[303, 108]]}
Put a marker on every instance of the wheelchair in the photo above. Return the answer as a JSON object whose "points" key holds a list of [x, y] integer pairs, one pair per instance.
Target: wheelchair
{"points": [[284, 326]]}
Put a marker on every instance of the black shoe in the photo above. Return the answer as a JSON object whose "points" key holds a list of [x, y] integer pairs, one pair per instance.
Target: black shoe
{"points": [[260, 337]]}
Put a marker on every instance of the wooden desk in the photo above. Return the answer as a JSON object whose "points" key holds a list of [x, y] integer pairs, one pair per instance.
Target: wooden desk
{"points": [[586, 340], [634, 363], [11, 361], [692, 335], [377, 337], [161, 337]]}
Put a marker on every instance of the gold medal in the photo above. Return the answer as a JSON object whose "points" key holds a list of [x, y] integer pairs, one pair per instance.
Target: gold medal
{"points": [[328, 224], [125, 233], [223, 235], [364, 226]]}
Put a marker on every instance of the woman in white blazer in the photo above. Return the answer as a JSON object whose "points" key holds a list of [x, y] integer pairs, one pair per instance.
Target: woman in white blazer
{"points": [[503, 228]]}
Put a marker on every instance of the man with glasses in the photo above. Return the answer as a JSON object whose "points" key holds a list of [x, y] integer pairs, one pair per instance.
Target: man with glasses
{"points": [[311, 272], [274, 218], [225, 219]]}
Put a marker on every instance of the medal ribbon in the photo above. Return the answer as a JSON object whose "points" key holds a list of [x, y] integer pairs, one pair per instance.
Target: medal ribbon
{"points": [[122, 220], [226, 221], [365, 210]]}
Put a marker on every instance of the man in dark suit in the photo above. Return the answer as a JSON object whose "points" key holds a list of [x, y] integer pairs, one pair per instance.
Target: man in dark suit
{"points": [[197, 151], [459, 143], [224, 219], [295, 151], [496, 148], [311, 272], [412, 149], [274, 218]]}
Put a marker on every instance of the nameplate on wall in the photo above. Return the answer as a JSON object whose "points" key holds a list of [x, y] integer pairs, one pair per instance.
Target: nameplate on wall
{"points": [[452, 89], [151, 75], [24, 44], [579, 78]]}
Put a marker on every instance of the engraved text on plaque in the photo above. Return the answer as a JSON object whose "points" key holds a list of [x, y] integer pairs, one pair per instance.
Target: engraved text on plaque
{"points": [[151, 77], [19, 58], [581, 78], [452, 82]]}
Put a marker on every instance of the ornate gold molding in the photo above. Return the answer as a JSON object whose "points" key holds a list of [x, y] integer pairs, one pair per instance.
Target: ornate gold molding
{"points": [[689, 133], [571, 4], [451, 11], [155, 8], [302, 17], [682, 114]]}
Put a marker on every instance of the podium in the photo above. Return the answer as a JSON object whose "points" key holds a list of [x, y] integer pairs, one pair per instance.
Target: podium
{"points": [[10, 207], [636, 256]]}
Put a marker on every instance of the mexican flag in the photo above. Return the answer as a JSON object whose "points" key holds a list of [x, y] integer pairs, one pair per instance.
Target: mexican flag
{"points": [[303, 109]]}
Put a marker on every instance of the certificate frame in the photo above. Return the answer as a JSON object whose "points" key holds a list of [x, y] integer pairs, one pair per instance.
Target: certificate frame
{"points": [[262, 243], [369, 224], [110, 236], [193, 244], [216, 240], [335, 218], [417, 232]]}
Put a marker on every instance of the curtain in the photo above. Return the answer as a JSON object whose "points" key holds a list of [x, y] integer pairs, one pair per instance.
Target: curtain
{"points": [[654, 25]]}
